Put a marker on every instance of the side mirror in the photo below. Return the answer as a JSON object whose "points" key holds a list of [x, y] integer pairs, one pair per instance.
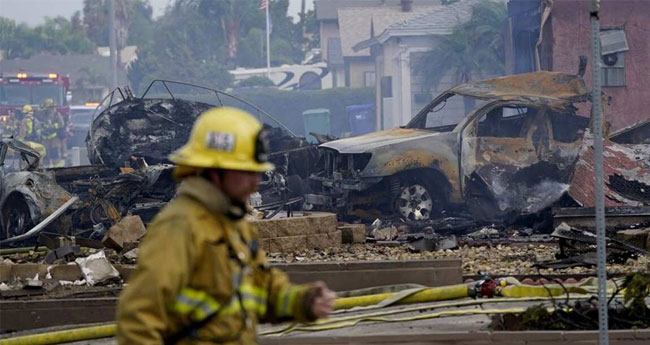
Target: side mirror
{"points": [[68, 96]]}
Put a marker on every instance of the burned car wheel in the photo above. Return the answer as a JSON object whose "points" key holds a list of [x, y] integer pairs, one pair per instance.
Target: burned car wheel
{"points": [[16, 217], [415, 202]]}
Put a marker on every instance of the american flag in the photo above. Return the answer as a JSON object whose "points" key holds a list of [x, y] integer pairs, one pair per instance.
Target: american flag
{"points": [[264, 4]]}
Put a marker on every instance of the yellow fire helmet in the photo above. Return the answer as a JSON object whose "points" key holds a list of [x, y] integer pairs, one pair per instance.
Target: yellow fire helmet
{"points": [[225, 138], [27, 109], [48, 103]]}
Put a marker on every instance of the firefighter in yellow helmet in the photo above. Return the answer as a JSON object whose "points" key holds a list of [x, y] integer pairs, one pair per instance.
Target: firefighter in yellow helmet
{"points": [[29, 130], [202, 277], [53, 132]]}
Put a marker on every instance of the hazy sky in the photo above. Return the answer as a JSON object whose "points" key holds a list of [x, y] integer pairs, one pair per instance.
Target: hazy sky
{"points": [[33, 12]]}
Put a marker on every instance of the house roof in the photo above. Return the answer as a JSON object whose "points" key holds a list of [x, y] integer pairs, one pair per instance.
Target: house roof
{"points": [[439, 21], [328, 9], [356, 23], [94, 68]]}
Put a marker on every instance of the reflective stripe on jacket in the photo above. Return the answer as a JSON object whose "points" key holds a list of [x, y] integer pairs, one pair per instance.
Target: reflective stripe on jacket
{"points": [[195, 261]]}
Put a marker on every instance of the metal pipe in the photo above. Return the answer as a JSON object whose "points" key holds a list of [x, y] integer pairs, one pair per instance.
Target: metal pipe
{"points": [[597, 116], [40, 226]]}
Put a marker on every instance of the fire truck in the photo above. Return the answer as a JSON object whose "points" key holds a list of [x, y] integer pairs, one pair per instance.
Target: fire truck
{"points": [[18, 89]]}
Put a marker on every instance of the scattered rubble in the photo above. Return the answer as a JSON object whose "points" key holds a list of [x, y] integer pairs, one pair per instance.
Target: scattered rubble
{"points": [[96, 269], [499, 259], [129, 229]]}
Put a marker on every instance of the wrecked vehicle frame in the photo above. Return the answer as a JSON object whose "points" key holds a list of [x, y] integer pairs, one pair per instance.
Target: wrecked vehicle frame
{"points": [[27, 195], [513, 154], [150, 127], [129, 172]]}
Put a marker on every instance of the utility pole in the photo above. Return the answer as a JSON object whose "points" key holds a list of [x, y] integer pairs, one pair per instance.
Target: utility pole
{"points": [[268, 42], [303, 14], [597, 115], [112, 43]]}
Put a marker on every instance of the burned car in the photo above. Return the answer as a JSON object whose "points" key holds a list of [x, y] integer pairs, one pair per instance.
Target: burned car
{"points": [[494, 148], [26, 194], [150, 127]]}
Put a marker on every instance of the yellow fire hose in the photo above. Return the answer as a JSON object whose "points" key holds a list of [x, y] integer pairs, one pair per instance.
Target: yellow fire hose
{"points": [[65, 336], [344, 320], [514, 292], [443, 293]]}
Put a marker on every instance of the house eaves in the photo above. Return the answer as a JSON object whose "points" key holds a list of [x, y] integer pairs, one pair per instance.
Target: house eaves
{"points": [[440, 21]]}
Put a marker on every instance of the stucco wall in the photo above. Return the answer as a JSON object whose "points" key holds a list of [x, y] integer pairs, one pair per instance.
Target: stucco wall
{"points": [[328, 29], [358, 67], [572, 38]]}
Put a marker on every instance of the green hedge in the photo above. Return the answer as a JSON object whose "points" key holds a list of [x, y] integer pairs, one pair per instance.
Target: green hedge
{"points": [[288, 106]]}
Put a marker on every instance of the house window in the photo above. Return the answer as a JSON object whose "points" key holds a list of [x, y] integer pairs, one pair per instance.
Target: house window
{"points": [[613, 49], [369, 79]]}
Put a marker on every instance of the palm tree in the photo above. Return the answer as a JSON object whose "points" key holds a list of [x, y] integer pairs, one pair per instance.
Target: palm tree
{"points": [[474, 48]]}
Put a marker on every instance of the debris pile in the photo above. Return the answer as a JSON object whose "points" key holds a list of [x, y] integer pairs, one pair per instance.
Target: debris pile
{"points": [[632, 312]]}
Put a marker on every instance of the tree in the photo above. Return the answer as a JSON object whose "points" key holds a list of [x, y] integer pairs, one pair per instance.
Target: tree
{"points": [[56, 36], [183, 48], [234, 18], [133, 22], [474, 48]]}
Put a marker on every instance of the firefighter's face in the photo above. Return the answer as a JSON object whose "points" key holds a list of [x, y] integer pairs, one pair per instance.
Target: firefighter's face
{"points": [[238, 185]]}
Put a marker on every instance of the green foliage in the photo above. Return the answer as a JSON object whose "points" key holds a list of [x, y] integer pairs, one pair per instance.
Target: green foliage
{"points": [[538, 317], [56, 35], [184, 48], [474, 48], [133, 19], [637, 289], [288, 106], [312, 27], [255, 81], [199, 40]]}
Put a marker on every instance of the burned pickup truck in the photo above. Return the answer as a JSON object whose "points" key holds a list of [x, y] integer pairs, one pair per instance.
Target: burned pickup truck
{"points": [[494, 148]]}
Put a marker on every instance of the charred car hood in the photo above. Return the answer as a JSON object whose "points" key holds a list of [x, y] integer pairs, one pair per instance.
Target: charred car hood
{"points": [[539, 87], [373, 141]]}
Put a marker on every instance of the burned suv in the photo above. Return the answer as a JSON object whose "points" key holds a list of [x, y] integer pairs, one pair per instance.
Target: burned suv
{"points": [[491, 147]]}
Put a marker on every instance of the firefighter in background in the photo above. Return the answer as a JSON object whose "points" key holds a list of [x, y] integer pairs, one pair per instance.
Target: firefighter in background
{"points": [[29, 130], [202, 276], [53, 132]]}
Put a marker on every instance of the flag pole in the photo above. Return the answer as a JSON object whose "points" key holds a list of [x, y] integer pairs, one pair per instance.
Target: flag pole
{"points": [[268, 42]]}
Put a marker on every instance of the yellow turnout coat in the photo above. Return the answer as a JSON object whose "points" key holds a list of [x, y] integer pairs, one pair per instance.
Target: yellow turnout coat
{"points": [[195, 261]]}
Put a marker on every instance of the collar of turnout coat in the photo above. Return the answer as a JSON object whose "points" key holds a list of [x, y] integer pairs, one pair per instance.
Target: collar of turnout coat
{"points": [[211, 197]]}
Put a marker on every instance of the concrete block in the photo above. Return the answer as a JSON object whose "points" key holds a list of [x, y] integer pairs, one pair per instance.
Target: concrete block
{"points": [[287, 244], [318, 241], [314, 223], [129, 229], [265, 244], [336, 238], [322, 241], [343, 276], [353, 233]]}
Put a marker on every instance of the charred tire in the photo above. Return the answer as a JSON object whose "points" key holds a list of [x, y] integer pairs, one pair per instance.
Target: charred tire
{"points": [[417, 200], [16, 216]]}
